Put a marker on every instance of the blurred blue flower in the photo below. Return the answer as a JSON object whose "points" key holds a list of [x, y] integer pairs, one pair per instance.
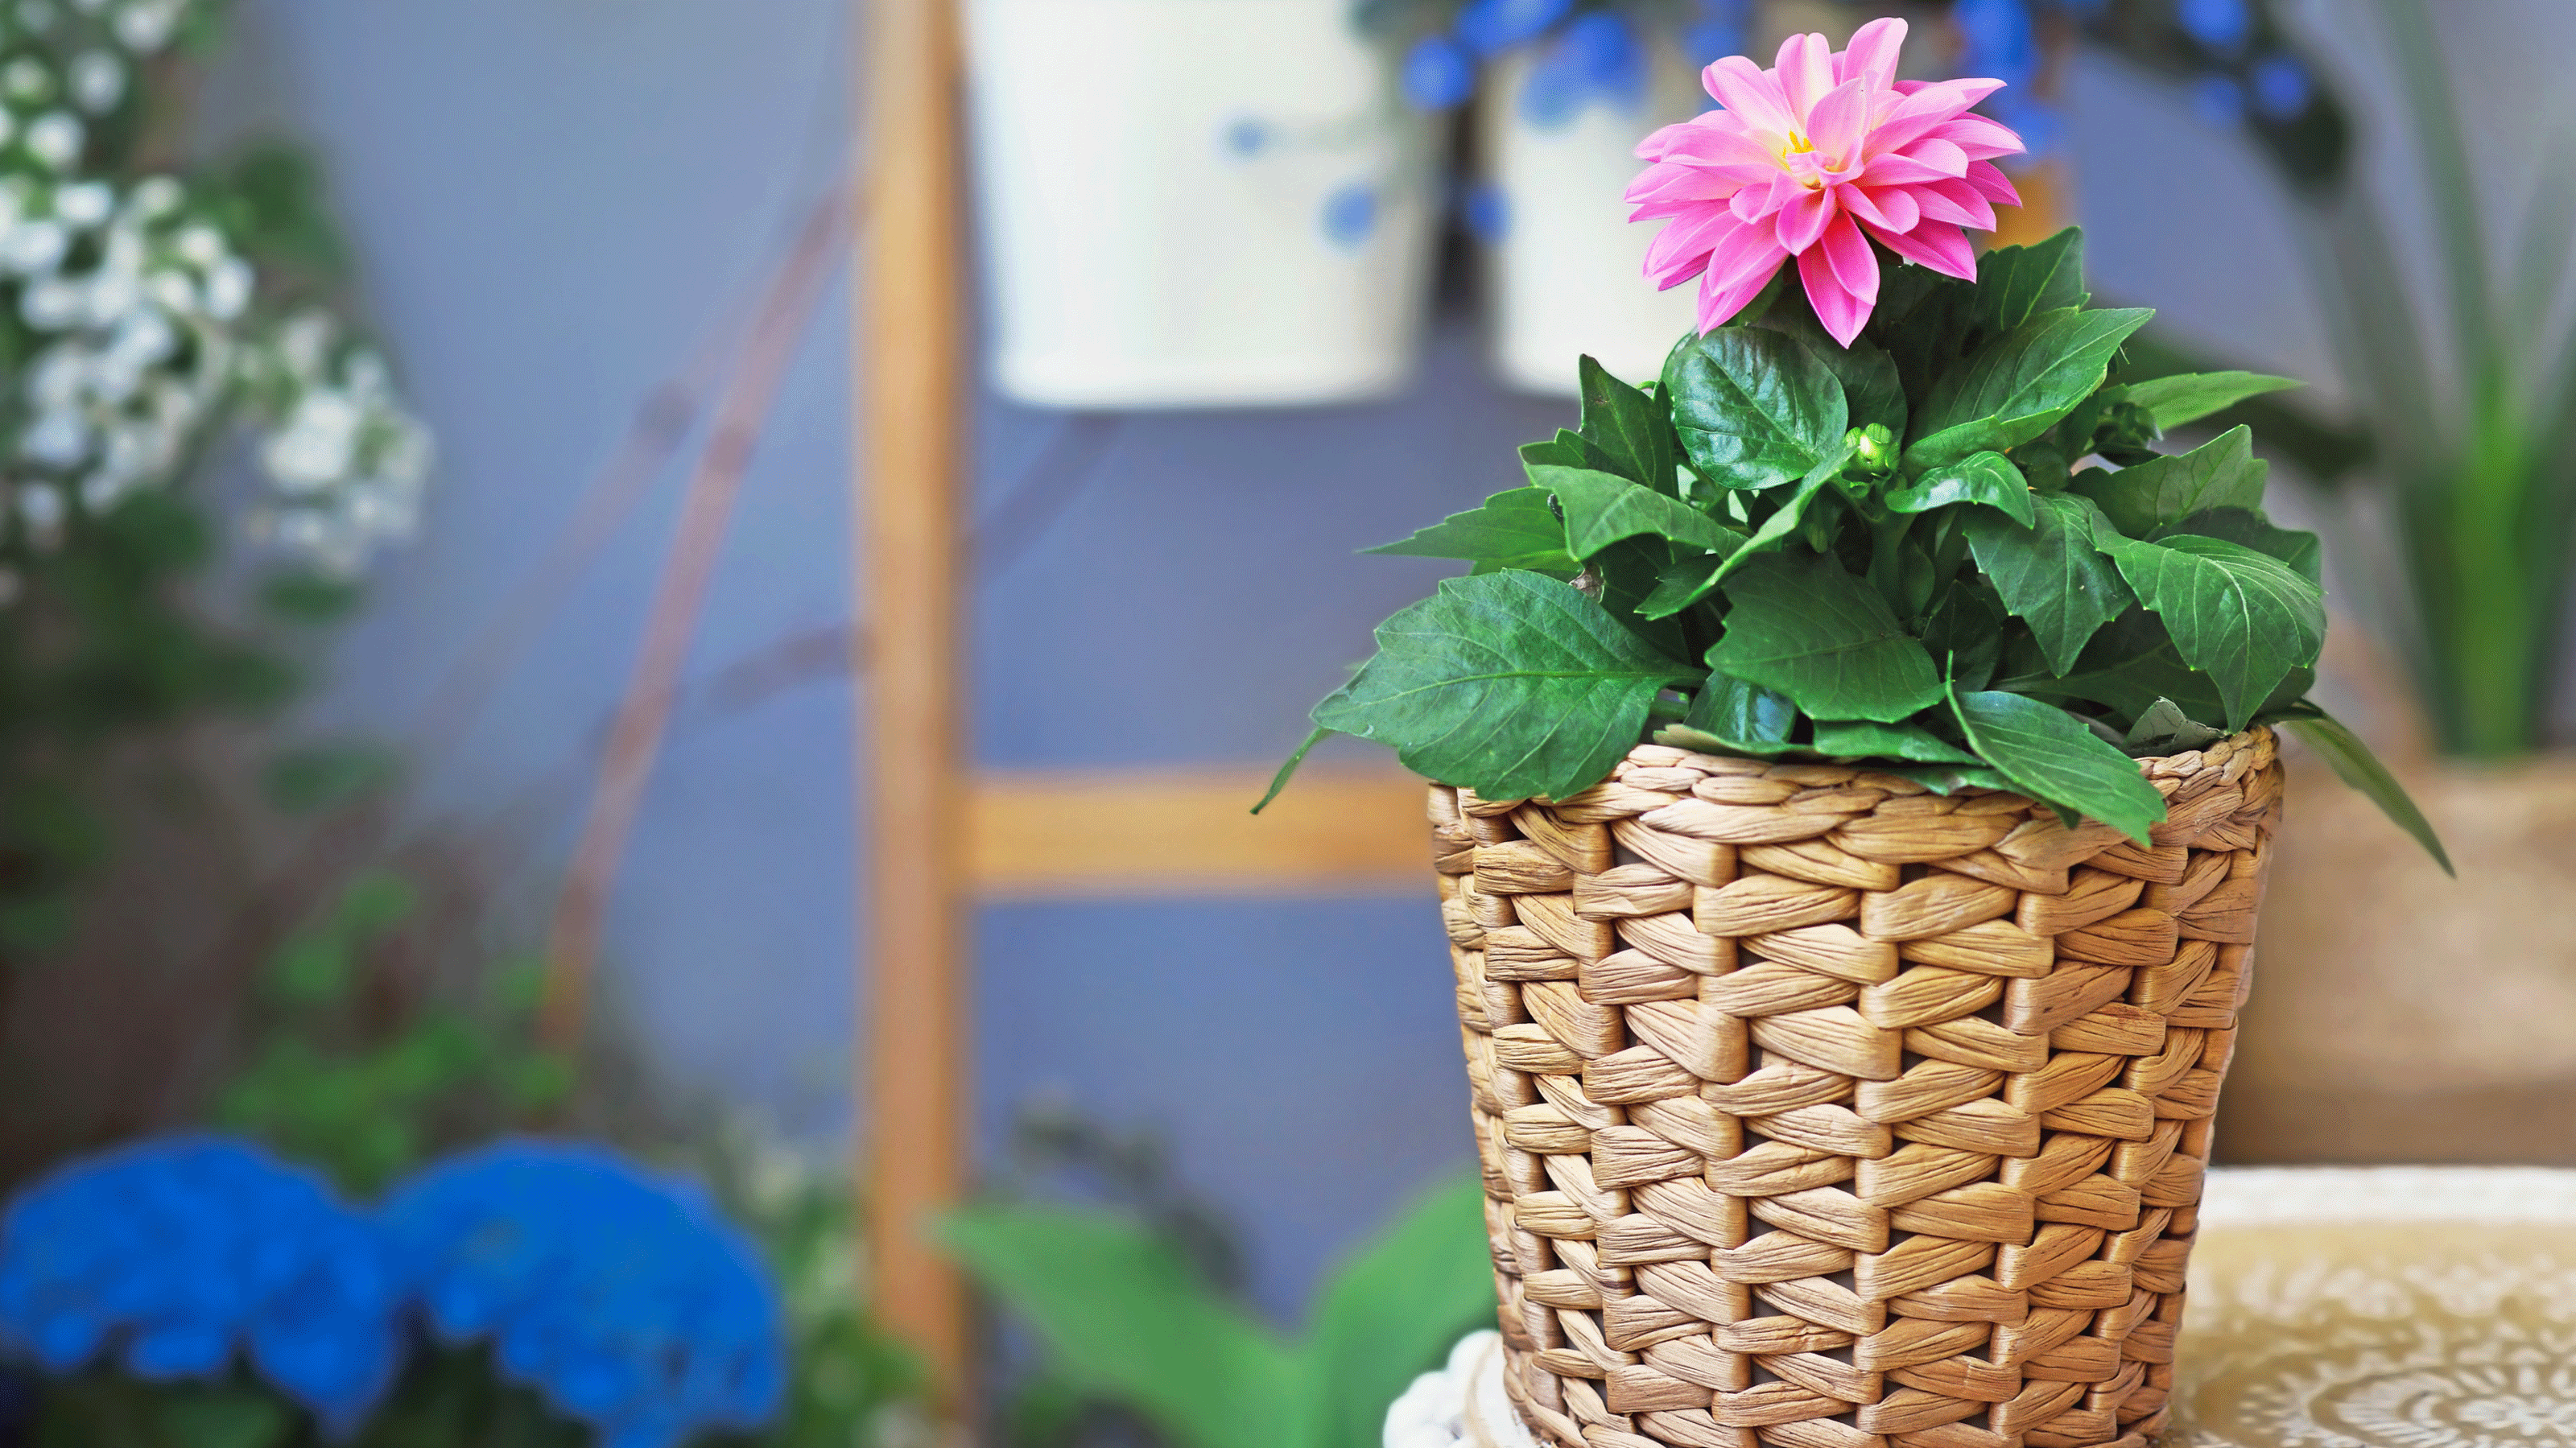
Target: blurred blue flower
{"points": [[1247, 135], [1715, 30], [2281, 88], [2219, 100], [1438, 73], [1597, 58], [1490, 27], [182, 1251], [2041, 126], [1487, 212], [620, 1294], [2001, 44], [2221, 25], [1350, 214]]}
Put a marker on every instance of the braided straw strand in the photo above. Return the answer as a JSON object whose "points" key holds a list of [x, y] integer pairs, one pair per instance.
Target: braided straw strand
{"points": [[1817, 1110]]}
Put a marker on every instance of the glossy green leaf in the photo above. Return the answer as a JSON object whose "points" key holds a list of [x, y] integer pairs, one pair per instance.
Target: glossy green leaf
{"points": [[2165, 729], [2191, 396], [1755, 408], [1394, 1310], [2048, 754], [2249, 527], [1683, 582], [1801, 625], [2016, 386], [1510, 683], [1603, 508], [2016, 283], [1123, 1315], [1863, 739], [1987, 478], [1791, 519], [1629, 426], [2244, 619], [2221, 473], [2355, 765], [2051, 575], [1730, 714], [1949, 779], [1513, 529]]}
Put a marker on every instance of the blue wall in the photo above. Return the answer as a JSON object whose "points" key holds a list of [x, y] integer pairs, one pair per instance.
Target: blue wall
{"points": [[557, 200]]}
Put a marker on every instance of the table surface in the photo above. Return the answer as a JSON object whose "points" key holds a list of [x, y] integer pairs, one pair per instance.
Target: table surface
{"points": [[2366, 1307]]}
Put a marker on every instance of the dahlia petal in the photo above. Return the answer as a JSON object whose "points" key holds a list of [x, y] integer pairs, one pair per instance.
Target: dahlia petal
{"points": [[1839, 122], [1667, 182], [1842, 313], [1940, 155], [1992, 184], [1805, 218], [1980, 138], [1806, 67], [1872, 53], [1921, 111], [1942, 247], [1751, 95], [1854, 264], [1693, 144], [1978, 212], [1720, 299], [1891, 206], [1751, 203], [1681, 250], [1896, 169]]}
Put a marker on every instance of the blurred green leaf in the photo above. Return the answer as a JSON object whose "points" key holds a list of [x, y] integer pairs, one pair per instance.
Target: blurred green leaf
{"points": [[1395, 1309], [319, 777]]}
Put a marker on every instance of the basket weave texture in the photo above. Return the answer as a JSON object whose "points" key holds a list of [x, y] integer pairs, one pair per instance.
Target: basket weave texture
{"points": [[1820, 1111]]}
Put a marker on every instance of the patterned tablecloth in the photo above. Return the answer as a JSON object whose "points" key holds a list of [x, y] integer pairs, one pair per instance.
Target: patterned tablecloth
{"points": [[2385, 1307]]}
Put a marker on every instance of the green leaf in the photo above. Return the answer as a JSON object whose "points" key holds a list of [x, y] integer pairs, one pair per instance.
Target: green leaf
{"points": [[2048, 754], [1513, 529], [2250, 528], [319, 777], [1288, 770], [1949, 779], [1603, 508], [2355, 765], [1755, 408], [1124, 1316], [2221, 473], [1860, 739], [1628, 426], [1787, 522], [2051, 575], [2165, 729], [2134, 663], [1683, 582], [2177, 401], [2016, 386], [1395, 1310], [310, 598], [2015, 283], [2242, 618], [1732, 715], [1801, 625], [1987, 477], [1511, 683], [1872, 389]]}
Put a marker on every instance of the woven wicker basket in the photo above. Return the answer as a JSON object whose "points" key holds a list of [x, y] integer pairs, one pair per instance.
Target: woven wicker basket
{"points": [[1820, 1111]]}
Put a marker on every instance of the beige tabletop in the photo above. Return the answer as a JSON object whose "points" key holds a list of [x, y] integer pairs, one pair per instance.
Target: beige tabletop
{"points": [[2378, 1307], [2387, 1307]]}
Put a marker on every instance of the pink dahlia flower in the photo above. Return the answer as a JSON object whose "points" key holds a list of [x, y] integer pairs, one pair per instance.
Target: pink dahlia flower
{"points": [[1813, 159]]}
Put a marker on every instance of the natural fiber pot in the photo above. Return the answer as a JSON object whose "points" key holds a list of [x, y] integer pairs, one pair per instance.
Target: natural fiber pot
{"points": [[1821, 1111]]}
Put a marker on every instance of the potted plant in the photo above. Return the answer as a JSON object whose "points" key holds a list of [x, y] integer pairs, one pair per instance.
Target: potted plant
{"points": [[1187, 204], [1854, 772]]}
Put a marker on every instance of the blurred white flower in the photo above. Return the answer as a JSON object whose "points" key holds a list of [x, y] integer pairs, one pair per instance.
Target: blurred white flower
{"points": [[56, 138], [36, 14], [86, 204], [96, 81], [51, 304], [154, 197], [228, 288], [41, 509], [200, 245], [147, 25], [57, 439], [34, 248], [173, 291], [26, 81], [318, 443], [89, 7]]}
